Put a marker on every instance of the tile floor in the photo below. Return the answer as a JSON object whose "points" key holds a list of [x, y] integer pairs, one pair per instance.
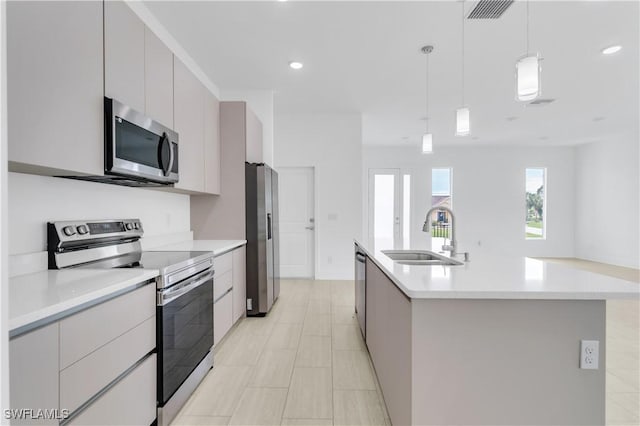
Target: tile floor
{"points": [[303, 364], [306, 364]]}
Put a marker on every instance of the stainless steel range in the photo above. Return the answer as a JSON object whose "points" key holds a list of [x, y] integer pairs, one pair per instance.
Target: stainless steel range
{"points": [[184, 312]]}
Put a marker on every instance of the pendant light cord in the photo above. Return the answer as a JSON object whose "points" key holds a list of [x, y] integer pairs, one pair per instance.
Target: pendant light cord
{"points": [[427, 95], [462, 3], [527, 27]]}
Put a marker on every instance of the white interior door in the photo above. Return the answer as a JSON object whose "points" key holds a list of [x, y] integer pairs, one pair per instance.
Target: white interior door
{"points": [[385, 209], [297, 222]]}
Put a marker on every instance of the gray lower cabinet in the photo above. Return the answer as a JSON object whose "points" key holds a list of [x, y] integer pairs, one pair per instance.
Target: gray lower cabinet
{"points": [[230, 292], [90, 362], [34, 379], [55, 87], [389, 342], [239, 283], [131, 401], [222, 317]]}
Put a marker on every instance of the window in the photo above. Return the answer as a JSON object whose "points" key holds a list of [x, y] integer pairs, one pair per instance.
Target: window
{"points": [[440, 197], [535, 189]]}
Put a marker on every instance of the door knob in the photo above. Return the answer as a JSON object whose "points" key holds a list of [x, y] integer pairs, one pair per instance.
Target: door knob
{"points": [[309, 227]]}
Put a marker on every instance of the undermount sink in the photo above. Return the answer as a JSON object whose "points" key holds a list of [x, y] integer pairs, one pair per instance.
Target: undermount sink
{"points": [[419, 257]]}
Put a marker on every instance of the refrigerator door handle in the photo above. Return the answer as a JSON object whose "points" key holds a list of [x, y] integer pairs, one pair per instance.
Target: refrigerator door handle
{"points": [[268, 226]]}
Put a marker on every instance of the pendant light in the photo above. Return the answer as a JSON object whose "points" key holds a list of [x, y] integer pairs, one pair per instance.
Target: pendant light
{"points": [[463, 126], [427, 138], [528, 72]]}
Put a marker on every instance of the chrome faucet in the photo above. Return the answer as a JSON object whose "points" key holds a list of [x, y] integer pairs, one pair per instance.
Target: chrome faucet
{"points": [[427, 225]]}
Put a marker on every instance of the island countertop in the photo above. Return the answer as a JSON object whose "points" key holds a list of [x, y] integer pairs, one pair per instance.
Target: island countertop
{"points": [[491, 276]]}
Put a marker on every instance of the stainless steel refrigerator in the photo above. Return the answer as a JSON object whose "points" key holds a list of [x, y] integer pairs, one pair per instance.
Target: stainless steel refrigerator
{"points": [[263, 259]]}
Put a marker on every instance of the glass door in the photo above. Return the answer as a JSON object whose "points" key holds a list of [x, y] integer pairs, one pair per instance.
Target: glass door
{"points": [[388, 200]]}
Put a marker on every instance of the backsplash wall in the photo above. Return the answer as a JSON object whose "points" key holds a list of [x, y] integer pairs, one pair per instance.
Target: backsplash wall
{"points": [[35, 200]]}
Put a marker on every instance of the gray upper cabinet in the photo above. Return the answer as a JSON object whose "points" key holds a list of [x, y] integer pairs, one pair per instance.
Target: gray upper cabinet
{"points": [[124, 58], [63, 58], [158, 79], [211, 143], [55, 87], [188, 109]]}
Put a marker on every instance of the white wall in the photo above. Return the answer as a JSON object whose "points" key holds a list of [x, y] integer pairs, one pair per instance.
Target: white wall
{"points": [[332, 145], [35, 200], [261, 103], [488, 195], [607, 202]]}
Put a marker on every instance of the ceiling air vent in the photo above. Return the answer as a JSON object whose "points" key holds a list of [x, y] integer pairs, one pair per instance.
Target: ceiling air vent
{"points": [[541, 102], [489, 9]]}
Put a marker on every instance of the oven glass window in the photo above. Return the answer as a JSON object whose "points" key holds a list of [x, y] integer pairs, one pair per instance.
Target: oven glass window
{"points": [[136, 144], [185, 335]]}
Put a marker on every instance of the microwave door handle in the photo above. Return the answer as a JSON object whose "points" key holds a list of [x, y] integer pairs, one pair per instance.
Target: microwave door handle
{"points": [[164, 166], [171, 157], [269, 230]]}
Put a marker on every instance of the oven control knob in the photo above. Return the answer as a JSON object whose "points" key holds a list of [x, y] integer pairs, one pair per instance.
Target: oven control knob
{"points": [[129, 226], [136, 225], [82, 229], [69, 231]]}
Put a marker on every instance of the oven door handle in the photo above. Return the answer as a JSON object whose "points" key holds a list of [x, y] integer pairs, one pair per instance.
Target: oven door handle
{"points": [[173, 293]]}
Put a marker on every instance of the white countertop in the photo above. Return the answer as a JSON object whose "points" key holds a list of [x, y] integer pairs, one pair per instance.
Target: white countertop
{"points": [[38, 298], [489, 276], [218, 247]]}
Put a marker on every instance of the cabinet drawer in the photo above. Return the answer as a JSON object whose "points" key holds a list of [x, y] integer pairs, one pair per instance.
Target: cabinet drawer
{"points": [[222, 283], [132, 401], [222, 317], [33, 375], [86, 377], [88, 330], [223, 263]]}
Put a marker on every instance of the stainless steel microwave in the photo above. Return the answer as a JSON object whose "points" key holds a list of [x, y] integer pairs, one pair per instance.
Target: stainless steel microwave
{"points": [[138, 147]]}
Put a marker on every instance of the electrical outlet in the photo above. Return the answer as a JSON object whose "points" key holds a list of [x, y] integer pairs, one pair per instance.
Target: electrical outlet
{"points": [[249, 304], [589, 350]]}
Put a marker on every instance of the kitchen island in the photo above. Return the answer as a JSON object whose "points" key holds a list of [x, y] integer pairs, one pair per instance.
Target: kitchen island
{"points": [[493, 341]]}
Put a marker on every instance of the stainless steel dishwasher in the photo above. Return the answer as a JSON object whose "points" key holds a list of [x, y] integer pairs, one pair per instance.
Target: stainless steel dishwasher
{"points": [[361, 289]]}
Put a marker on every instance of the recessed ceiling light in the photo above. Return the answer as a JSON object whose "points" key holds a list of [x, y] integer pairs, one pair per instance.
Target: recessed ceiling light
{"points": [[282, 0], [295, 65], [544, 138], [611, 50], [598, 118]]}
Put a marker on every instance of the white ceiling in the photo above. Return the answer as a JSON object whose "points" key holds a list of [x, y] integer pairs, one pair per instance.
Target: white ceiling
{"points": [[364, 57]]}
